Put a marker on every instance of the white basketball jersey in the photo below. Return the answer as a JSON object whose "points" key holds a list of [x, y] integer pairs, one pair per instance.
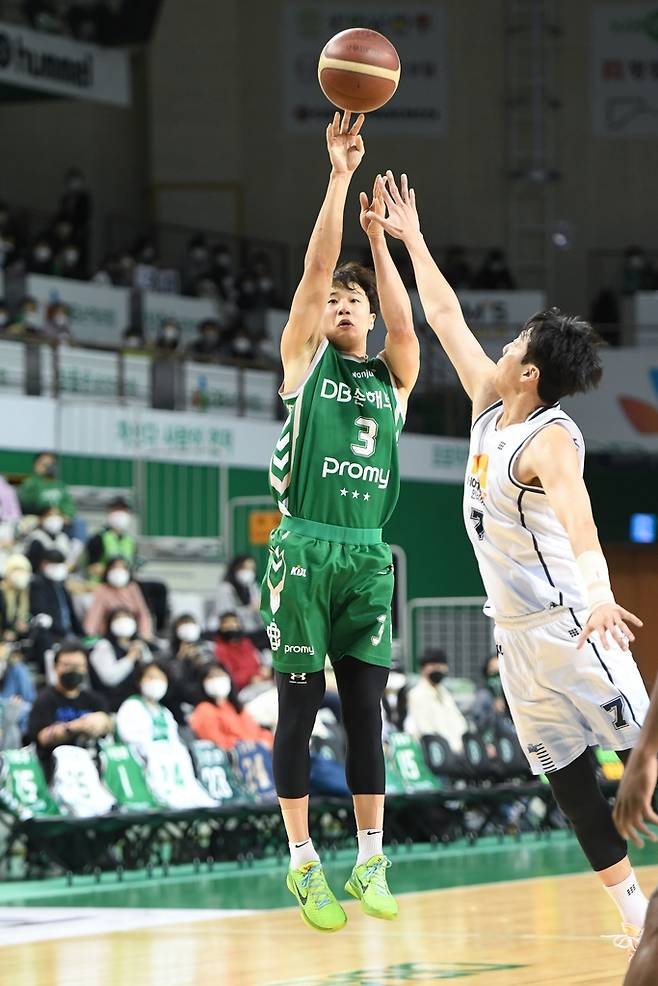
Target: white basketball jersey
{"points": [[525, 558]]}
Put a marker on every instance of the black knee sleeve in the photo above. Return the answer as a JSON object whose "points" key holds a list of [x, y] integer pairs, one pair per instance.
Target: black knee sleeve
{"points": [[361, 687], [577, 792], [300, 697]]}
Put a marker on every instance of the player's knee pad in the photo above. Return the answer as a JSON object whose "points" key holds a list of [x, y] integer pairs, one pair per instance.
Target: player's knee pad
{"points": [[578, 795]]}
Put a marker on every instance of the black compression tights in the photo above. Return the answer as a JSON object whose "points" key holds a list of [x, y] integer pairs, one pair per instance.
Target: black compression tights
{"points": [[577, 792], [361, 687]]}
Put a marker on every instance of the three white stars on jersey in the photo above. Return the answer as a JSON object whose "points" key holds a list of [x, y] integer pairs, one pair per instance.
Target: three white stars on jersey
{"points": [[355, 494]]}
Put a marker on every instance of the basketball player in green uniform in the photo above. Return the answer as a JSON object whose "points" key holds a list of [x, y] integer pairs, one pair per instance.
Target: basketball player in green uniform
{"points": [[335, 478]]}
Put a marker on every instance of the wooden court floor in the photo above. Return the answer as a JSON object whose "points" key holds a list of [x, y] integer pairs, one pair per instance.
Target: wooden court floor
{"points": [[541, 931]]}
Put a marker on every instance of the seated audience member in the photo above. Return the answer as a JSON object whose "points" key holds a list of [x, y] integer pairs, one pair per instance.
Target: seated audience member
{"points": [[68, 714], [220, 718], [239, 593], [142, 719], [113, 659], [237, 653], [431, 707], [15, 599], [115, 540], [188, 653], [206, 345], [51, 606], [16, 687], [48, 535], [168, 337], [490, 711], [44, 489], [494, 274], [118, 590]]}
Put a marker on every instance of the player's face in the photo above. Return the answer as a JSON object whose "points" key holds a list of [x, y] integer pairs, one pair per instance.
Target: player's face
{"points": [[348, 318], [510, 366]]}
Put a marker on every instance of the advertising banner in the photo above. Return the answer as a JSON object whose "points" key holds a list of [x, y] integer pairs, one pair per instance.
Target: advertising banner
{"points": [[625, 70]]}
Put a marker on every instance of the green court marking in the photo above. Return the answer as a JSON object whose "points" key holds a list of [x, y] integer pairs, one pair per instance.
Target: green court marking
{"points": [[403, 972], [262, 885]]}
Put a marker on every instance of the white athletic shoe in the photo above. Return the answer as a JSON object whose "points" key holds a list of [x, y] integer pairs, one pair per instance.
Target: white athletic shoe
{"points": [[628, 940]]}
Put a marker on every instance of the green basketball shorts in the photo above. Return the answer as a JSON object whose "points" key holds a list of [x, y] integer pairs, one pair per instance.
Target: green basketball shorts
{"points": [[327, 597]]}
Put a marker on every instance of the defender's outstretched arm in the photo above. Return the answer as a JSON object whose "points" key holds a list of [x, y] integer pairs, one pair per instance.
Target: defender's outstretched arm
{"points": [[301, 335], [401, 347], [440, 303]]}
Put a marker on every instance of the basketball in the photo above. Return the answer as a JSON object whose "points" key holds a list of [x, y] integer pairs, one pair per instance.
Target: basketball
{"points": [[359, 70]]}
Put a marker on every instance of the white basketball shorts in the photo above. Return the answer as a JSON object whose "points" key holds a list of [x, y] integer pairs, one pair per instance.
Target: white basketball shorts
{"points": [[562, 699]]}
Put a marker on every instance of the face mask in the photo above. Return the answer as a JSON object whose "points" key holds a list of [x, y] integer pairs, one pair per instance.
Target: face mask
{"points": [[223, 261], [119, 520], [70, 680], [71, 257], [154, 688], [188, 632], [242, 344], [53, 524], [4, 319], [50, 471], [132, 342], [495, 684], [56, 573], [19, 580], [61, 320], [246, 576], [32, 319], [231, 634], [217, 687], [123, 626], [200, 254], [265, 284], [436, 677], [43, 254], [118, 578], [170, 333]]}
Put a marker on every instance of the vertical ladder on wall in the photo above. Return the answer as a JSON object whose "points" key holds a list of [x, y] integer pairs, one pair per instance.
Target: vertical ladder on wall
{"points": [[532, 117]]}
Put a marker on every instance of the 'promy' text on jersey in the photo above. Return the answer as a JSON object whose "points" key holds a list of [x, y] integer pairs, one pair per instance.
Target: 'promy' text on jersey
{"points": [[336, 460], [523, 551]]}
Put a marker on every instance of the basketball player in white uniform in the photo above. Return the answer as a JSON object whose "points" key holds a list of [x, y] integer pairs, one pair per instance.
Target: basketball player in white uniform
{"points": [[562, 639]]}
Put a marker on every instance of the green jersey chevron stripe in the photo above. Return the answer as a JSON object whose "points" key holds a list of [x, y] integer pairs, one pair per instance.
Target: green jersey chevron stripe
{"points": [[336, 459], [276, 577]]}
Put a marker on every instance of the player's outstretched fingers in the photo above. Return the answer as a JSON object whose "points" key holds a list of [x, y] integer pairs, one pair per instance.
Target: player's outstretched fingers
{"points": [[404, 188], [345, 123], [631, 617], [392, 187], [358, 123], [627, 631]]}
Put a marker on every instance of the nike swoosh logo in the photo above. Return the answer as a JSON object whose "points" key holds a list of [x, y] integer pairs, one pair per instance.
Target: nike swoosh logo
{"points": [[302, 900]]}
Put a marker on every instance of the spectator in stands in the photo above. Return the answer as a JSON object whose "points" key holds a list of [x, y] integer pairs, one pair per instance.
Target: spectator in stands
{"points": [[242, 345], [168, 337], [44, 489], [220, 718], [28, 321], [490, 711], [68, 713], [431, 707], [58, 322], [10, 514], [75, 205], [188, 653], [16, 685], [207, 343], [239, 593], [197, 263], [638, 273], [456, 268], [48, 535], [114, 539], [113, 659], [69, 263], [118, 590], [51, 606], [15, 599], [237, 654], [132, 338], [494, 274], [40, 258], [125, 270], [142, 719]]}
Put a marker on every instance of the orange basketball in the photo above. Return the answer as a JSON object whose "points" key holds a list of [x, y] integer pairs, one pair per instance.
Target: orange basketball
{"points": [[359, 70]]}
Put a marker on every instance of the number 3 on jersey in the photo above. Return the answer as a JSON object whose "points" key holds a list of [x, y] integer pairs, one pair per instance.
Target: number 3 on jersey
{"points": [[367, 437]]}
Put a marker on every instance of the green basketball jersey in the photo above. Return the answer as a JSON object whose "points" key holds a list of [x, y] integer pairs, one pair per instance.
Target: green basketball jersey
{"points": [[336, 460]]}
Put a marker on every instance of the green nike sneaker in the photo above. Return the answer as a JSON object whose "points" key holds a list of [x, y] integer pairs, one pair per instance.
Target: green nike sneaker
{"points": [[368, 884], [320, 909]]}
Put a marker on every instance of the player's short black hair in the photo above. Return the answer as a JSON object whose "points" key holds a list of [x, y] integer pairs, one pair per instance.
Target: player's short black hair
{"points": [[351, 273], [565, 350], [69, 646]]}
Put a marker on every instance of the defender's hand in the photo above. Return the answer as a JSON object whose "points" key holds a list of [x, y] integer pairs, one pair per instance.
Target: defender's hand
{"points": [[402, 221], [369, 226], [634, 808], [609, 618], [345, 146]]}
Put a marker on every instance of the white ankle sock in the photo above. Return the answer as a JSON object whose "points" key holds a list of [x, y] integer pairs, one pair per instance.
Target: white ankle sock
{"points": [[302, 852], [631, 902], [370, 844]]}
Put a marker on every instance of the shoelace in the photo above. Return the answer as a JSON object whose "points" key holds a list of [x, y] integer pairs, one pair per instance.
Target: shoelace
{"points": [[314, 883], [626, 942], [376, 873]]}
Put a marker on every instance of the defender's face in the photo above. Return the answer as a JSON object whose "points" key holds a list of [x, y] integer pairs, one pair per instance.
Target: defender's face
{"points": [[348, 318]]}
